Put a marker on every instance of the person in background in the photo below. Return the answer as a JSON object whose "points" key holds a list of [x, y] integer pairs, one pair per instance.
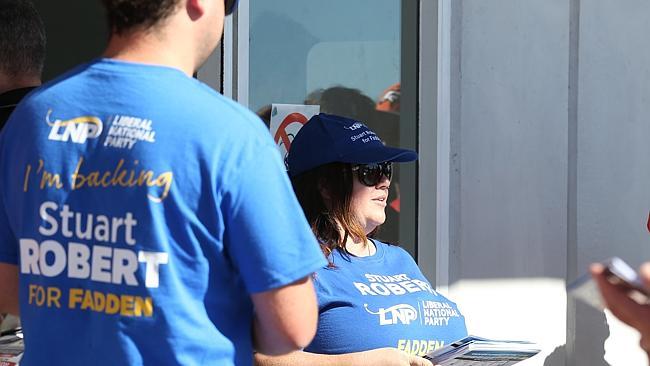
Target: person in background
{"points": [[619, 302], [389, 101], [22, 53], [145, 219], [375, 306]]}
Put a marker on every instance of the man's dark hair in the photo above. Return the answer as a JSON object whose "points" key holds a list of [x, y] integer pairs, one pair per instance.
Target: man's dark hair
{"points": [[22, 39], [124, 15]]}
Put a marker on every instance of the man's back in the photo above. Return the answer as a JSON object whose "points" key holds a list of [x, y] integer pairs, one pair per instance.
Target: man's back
{"points": [[139, 209]]}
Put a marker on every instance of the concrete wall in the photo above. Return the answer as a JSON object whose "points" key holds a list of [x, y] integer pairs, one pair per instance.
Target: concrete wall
{"points": [[549, 168], [613, 129], [511, 121]]}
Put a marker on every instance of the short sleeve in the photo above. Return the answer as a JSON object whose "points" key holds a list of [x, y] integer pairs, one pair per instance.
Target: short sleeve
{"points": [[267, 235]]}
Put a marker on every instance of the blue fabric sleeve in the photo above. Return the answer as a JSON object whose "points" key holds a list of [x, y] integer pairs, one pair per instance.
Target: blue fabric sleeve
{"points": [[268, 237]]}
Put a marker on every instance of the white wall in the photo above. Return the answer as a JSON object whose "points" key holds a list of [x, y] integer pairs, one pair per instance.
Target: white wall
{"points": [[613, 129], [549, 167]]}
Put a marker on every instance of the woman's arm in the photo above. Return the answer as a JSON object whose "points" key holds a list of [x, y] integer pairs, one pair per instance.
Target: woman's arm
{"points": [[375, 357]]}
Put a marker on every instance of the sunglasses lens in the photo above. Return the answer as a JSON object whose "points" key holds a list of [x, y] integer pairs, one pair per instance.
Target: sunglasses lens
{"points": [[371, 174], [388, 170]]}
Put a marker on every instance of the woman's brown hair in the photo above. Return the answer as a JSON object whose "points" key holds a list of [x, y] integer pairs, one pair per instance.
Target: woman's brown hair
{"points": [[334, 224]]}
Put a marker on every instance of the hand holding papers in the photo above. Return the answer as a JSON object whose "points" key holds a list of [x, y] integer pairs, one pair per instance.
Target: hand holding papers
{"points": [[617, 273], [11, 348], [477, 351]]}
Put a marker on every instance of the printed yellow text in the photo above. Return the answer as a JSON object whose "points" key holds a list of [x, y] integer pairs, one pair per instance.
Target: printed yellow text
{"points": [[44, 296], [123, 177], [419, 347], [125, 305]]}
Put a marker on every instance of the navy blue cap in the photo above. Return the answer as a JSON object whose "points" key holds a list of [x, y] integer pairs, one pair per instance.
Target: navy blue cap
{"points": [[327, 138], [231, 5]]}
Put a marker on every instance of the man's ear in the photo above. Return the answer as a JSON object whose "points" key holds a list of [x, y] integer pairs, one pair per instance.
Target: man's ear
{"points": [[195, 8]]}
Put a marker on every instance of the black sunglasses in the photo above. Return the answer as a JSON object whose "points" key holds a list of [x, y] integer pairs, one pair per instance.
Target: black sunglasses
{"points": [[371, 174], [230, 6]]}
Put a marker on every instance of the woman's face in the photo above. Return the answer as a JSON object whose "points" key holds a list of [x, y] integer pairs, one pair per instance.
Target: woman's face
{"points": [[369, 203]]}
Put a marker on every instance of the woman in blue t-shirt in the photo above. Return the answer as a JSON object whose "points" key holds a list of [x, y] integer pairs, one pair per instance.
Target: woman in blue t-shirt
{"points": [[375, 306]]}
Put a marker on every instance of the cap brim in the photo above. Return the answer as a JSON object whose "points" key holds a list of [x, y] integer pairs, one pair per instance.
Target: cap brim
{"points": [[379, 155]]}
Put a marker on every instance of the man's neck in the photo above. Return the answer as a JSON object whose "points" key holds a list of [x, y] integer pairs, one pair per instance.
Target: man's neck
{"points": [[153, 47]]}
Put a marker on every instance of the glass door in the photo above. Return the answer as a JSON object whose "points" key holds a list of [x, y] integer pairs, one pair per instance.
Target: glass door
{"points": [[346, 57]]}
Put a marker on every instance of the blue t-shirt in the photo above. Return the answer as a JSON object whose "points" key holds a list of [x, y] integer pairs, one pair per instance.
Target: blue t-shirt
{"points": [[379, 301], [142, 209]]}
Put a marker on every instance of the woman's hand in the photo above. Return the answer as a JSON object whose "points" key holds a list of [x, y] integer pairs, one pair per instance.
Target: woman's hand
{"points": [[392, 357], [375, 357]]}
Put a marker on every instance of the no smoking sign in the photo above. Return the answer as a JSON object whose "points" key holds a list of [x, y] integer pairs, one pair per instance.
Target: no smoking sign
{"points": [[287, 120]]}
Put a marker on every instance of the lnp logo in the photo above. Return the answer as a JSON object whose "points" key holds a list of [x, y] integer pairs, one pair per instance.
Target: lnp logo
{"points": [[354, 126], [78, 130], [401, 313]]}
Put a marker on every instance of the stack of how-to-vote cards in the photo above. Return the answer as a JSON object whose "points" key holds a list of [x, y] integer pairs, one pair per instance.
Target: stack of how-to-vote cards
{"points": [[477, 351]]}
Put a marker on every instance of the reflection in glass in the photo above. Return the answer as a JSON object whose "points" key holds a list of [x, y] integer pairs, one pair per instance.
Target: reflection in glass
{"points": [[343, 55]]}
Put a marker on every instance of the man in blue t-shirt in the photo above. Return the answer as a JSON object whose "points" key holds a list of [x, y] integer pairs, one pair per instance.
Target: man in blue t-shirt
{"points": [[146, 219]]}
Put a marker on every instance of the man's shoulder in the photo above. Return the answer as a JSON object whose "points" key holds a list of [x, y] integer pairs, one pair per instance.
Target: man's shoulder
{"points": [[165, 88], [225, 114]]}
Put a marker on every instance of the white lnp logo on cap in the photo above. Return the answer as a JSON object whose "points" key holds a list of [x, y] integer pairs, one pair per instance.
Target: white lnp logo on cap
{"points": [[355, 126]]}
